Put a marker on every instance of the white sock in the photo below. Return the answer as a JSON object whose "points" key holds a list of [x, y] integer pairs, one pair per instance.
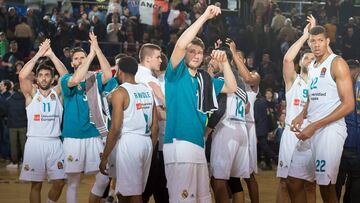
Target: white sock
{"points": [[73, 183], [101, 182], [50, 201]]}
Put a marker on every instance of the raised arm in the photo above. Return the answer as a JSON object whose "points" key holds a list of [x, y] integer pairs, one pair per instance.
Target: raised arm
{"points": [[229, 78], [81, 71], [289, 72], [104, 63], [26, 85], [249, 78], [59, 66], [190, 33], [118, 102]]}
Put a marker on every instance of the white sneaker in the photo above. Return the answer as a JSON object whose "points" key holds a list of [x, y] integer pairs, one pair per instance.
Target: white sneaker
{"points": [[12, 166]]}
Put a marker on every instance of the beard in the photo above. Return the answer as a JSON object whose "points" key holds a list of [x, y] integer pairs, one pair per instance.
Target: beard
{"points": [[44, 87]]}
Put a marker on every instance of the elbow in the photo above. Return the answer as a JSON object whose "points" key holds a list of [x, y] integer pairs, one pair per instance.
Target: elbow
{"points": [[233, 87], [180, 45], [350, 107], [22, 76], [287, 59]]}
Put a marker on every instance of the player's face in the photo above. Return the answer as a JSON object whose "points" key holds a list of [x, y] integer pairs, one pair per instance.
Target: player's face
{"points": [[77, 59], [44, 79], [194, 56], [155, 60], [306, 60], [318, 44]]}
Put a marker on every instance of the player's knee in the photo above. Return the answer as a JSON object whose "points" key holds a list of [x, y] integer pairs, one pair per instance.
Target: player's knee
{"points": [[36, 186], [59, 184], [218, 184], [235, 185]]}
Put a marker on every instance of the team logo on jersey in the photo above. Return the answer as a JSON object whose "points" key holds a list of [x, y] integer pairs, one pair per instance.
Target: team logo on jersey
{"points": [[70, 158], [323, 72], [26, 167], [296, 102], [52, 97], [60, 165], [184, 194], [138, 106], [37, 117], [281, 164], [79, 87], [39, 98]]}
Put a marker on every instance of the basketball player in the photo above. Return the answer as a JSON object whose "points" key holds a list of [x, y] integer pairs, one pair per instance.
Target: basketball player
{"points": [[82, 141], [134, 127], [294, 167], [43, 154], [330, 100], [190, 96], [229, 150], [252, 81]]}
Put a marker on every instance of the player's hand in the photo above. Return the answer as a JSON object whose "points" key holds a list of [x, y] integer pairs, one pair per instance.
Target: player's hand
{"points": [[219, 56], [217, 44], [212, 11], [44, 46], [307, 133], [231, 44], [93, 42], [312, 21], [103, 165], [296, 123]]}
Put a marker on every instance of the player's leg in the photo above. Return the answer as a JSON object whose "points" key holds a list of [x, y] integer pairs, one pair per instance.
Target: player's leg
{"points": [[310, 191], [296, 189], [35, 192], [253, 188], [219, 187], [56, 189], [236, 190], [328, 193], [282, 195]]}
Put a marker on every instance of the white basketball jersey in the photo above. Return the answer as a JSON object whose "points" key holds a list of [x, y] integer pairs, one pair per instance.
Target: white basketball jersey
{"points": [[251, 100], [323, 94], [296, 98], [44, 115], [138, 115], [235, 109]]}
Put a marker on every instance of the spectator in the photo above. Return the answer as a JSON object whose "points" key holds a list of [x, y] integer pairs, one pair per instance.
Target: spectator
{"points": [[288, 33], [50, 5], [171, 45], [331, 29], [68, 18], [350, 45], [114, 7], [33, 21], [269, 74], [13, 54], [66, 59], [84, 19], [98, 28], [133, 7], [24, 35], [94, 12], [3, 19], [4, 43], [278, 21], [346, 10], [5, 93], [184, 6], [13, 20], [115, 34], [79, 32], [16, 122]]}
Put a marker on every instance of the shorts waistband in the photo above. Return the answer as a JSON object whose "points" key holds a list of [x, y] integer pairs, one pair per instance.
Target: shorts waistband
{"points": [[44, 138]]}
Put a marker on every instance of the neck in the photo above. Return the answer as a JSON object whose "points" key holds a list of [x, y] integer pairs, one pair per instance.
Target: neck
{"points": [[129, 79], [304, 76], [322, 58], [145, 65], [45, 93], [193, 71]]}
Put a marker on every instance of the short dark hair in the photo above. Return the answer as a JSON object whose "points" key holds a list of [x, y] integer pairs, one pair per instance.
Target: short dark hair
{"points": [[353, 64], [75, 50], [44, 67], [147, 49], [197, 41], [128, 65], [7, 84], [305, 51], [318, 30], [164, 62]]}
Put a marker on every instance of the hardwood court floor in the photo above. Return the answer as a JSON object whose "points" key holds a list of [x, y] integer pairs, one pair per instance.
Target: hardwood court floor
{"points": [[14, 191]]}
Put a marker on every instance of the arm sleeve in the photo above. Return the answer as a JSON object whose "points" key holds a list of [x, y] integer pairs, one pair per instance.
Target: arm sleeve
{"points": [[66, 90], [173, 75]]}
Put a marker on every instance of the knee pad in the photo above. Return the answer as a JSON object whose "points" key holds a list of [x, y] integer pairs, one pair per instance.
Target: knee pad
{"points": [[235, 185], [101, 182]]}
